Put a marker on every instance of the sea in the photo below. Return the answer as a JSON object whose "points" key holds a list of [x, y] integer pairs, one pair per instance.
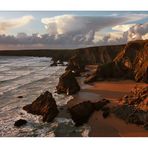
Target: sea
{"points": [[29, 77]]}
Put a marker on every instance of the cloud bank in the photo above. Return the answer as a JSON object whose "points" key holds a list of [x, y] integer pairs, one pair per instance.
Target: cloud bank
{"points": [[68, 31]]}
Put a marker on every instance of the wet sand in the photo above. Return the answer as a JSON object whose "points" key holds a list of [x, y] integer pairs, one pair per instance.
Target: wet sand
{"points": [[114, 90], [111, 126]]}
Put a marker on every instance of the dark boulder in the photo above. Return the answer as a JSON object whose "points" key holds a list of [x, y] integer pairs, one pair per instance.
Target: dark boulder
{"points": [[44, 105], [81, 112], [68, 83], [100, 104], [20, 122]]}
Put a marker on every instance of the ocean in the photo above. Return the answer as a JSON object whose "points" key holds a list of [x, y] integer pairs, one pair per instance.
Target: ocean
{"points": [[29, 77]]}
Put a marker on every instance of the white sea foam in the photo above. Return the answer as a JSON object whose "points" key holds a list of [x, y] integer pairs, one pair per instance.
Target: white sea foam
{"points": [[29, 77]]}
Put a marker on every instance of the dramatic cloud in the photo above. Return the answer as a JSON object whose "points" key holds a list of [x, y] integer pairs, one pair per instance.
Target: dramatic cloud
{"points": [[123, 28], [83, 24], [69, 31], [135, 32], [14, 23], [85, 30]]}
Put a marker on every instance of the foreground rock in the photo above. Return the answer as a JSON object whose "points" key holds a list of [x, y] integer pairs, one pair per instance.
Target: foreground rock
{"points": [[68, 83], [44, 105], [138, 97], [20, 122], [133, 108], [131, 115], [130, 63], [81, 112]]}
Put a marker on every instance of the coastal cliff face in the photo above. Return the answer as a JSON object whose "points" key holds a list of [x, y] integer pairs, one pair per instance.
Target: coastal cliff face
{"points": [[92, 56], [89, 55], [98, 55], [134, 59], [130, 63]]}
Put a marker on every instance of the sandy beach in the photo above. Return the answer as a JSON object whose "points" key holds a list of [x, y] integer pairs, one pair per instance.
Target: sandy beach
{"points": [[111, 126]]}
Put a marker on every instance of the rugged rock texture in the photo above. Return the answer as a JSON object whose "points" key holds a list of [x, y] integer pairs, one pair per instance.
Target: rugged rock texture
{"points": [[81, 112], [131, 115], [68, 83], [138, 97], [130, 63], [98, 55], [44, 105], [133, 108], [20, 122], [133, 59], [76, 64]]}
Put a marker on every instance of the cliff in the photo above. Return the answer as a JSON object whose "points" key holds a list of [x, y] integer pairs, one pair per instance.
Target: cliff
{"points": [[89, 55], [130, 63]]}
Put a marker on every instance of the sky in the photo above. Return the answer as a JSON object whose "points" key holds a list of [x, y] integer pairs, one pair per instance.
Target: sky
{"points": [[70, 29]]}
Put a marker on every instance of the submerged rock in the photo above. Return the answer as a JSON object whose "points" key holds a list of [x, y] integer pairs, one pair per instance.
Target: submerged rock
{"points": [[44, 105], [20, 122], [68, 83]]}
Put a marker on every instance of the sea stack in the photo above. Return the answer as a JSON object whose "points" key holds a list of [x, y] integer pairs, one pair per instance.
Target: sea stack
{"points": [[44, 105]]}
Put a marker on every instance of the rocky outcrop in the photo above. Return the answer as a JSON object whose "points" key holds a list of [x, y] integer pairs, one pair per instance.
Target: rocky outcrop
{"points": [[133, 60], [105, 72], [131, 115], [133, 108], [99, 54], [92, 55], [138, 97], [81, 112], [89, 55], [76, 64], [68, 83], [20, 122], [130, 63], [44, 105]]}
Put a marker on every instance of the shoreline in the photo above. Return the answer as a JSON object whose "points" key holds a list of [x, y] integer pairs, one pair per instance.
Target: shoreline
{"points": [[110, 126]]}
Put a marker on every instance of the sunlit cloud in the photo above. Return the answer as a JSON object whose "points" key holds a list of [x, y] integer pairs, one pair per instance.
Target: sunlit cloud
{"points": [[7, 24]]}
